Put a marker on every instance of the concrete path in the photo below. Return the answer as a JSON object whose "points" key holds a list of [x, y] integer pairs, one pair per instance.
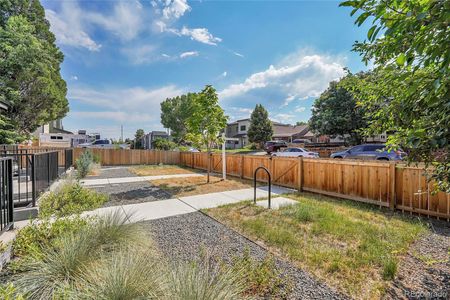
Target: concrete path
{"points": [[183, 205], [105, 181]]}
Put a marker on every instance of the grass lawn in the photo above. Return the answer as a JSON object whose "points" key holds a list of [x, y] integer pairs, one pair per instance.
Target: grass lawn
{"points": [[351, 246], [189, 186], [154, 170]]}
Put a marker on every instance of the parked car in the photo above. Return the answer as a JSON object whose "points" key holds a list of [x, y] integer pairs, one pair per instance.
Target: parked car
{"points": [[301, 141], [274, 146], [102, 144], [296, 152], [370, 152]]}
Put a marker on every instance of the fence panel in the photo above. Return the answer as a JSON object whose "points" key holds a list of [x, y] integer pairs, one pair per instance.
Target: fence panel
{"points": [[6, 194]]}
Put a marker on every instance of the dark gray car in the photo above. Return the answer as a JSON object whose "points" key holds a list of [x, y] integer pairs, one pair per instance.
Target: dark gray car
{"points": [[370, 152]]}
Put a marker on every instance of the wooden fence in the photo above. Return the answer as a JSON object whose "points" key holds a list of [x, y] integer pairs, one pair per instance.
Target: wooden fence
{"points": [[386, 184]]}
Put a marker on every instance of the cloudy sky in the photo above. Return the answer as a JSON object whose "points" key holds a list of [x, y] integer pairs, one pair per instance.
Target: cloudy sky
{"points": [[122, 58]]}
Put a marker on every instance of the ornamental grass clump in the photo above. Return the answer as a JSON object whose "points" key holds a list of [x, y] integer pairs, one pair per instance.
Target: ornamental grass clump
{"points": [[85, 163]]}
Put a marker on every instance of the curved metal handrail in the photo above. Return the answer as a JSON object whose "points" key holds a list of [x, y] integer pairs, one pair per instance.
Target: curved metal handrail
{"points": [[254, 182]]}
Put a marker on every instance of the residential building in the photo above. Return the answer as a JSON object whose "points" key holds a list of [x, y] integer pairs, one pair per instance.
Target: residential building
{"points": [[287, 132], [148, 139]]}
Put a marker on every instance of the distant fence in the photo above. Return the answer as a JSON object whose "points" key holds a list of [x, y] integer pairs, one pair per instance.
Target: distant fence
{"points": [[385, 184], [6, 194]]}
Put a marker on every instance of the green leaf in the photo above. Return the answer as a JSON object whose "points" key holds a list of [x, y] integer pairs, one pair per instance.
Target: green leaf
{"points": [[401, 59], [371, 31]]}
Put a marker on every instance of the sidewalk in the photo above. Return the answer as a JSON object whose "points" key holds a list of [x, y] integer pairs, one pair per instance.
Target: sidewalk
{"points": [[104, 181], [184, 205]]}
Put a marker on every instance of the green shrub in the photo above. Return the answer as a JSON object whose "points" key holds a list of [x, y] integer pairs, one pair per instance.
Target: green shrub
{"points": [[260, 277], [72, 198], [52, 275], [8, 292], [31, 239], [84, 163], [163, 144], [389, 269]]}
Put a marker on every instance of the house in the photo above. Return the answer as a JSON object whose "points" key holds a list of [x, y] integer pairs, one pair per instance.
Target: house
{"points": [[148, 139], [237, 129], [285, 132]]}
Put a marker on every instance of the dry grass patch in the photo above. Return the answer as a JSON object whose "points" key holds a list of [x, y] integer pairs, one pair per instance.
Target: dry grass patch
{"points": [[351, 246], [155, 170], [188, 186]]}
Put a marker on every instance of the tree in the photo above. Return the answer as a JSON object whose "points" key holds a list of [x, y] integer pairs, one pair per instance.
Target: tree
{"points": [[335, 113], [174, 113], [206, 121], [300, 123], [163, 144], [260, 130], [408, 92], [30, 79], [138, 139]]}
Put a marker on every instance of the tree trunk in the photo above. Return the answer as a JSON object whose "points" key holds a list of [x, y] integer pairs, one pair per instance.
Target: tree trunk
{"points": [[209, 166]]}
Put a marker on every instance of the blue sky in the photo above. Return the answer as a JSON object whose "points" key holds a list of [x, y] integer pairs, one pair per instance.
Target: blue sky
{"points": [[122, 58]]}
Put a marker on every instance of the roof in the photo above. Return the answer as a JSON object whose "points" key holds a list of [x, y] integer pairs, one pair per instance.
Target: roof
{"points": [[239, 135], [282, 130]]}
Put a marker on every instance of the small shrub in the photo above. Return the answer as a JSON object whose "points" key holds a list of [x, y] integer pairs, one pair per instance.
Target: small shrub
{"points": [[32, 239], [164, 144], [72, 198], [260, 277], [52, 275], [192, 281], [84, 163], [8, 292]]}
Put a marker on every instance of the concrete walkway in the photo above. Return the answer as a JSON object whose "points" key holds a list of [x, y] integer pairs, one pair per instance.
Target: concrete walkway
{"points": [[183, 205], [105, 181]]}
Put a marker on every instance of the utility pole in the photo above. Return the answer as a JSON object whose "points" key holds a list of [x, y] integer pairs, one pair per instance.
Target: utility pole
{"points": [[121, 133]]}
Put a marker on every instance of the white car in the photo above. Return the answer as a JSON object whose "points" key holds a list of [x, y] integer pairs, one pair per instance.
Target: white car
{"points": [[296, 152]]}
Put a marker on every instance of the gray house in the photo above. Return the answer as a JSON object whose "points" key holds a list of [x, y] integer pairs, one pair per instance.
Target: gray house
{"points": [[149, 138]]}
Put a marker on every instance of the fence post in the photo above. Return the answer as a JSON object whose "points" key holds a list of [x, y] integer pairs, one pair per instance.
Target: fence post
{"points": [[10, 204], [300, 174], [392, 197], [33, 179], [242, 166]]}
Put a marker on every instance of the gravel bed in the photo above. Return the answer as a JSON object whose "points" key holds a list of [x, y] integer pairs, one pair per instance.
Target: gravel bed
{"points": [[424, 273], [127, 193], [112, 172], [188, 237]]}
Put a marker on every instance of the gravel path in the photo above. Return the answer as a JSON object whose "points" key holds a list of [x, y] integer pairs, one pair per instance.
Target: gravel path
{"points": [[127, 193], [188, 236], [424, 273]]}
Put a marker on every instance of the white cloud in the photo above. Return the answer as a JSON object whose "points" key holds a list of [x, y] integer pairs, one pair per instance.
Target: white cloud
{"points": [[74, 77], [296, 76], [237, 54], [188, 53], [224, 74], [283, 118], [201, 35], [126, 21], [70, 23], [141, 54], [175, 9], [236, 113], [68, 27], [300, 109]]}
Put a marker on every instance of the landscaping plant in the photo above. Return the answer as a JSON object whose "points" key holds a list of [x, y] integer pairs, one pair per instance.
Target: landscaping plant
{"points": [[72, 198], [84, 164]]}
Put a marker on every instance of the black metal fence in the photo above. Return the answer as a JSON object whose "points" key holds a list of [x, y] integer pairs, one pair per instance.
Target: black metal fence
{"points": [[6, 194], [34, 172]]}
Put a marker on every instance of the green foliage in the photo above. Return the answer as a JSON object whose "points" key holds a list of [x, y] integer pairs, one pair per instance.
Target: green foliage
{"points": [[53, 274], [260, 130], [8, 134], [389, 269], [8, 292], [204, 281], [300, 123], [336, 113], [138, 139], [174, 114], [85, 163], [32, 239], [206, 119], [163, 144], [72, 198], [30, 79], [260, 277], [408, 93]]}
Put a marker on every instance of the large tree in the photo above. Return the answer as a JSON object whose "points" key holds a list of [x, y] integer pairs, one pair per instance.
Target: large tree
{"points": [[174, 114], [206, 120], [138, 139], [408, 92], [260, 130], [336, 113], [30, 79]]}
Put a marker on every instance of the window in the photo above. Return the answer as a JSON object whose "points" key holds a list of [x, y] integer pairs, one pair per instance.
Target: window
{"points": [[53, 137], [357, 149], [243, 127], [373, 148], [59, 137]]}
